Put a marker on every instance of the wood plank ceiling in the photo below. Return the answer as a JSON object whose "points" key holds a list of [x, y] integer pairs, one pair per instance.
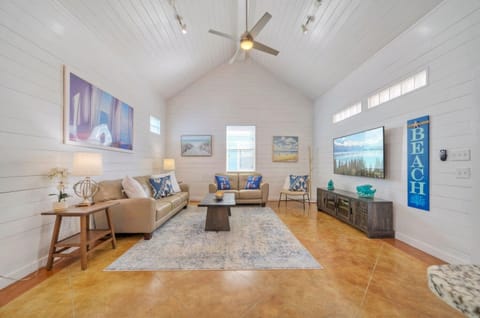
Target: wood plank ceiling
{"points": [[342, 36]]}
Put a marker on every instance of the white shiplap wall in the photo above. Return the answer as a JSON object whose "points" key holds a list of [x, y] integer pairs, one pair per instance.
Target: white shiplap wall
{"points": [[238, 94], [36, 39], [446, 42]]}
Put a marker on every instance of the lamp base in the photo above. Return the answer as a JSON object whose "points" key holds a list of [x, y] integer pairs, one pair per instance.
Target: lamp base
{"points": [[85, 189]]}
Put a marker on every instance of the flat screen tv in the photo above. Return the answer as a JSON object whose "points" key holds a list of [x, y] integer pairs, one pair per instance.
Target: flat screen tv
{"points": [[361, 154]]}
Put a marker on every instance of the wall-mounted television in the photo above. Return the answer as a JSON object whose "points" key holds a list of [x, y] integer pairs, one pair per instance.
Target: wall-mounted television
{"points": [[361, 154]]}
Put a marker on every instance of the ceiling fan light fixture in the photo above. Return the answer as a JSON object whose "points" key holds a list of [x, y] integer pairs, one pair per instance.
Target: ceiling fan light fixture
{"points": [[304, 29], [246, 44]]}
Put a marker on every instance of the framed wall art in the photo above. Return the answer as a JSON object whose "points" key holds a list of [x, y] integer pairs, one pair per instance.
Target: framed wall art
{"points": [[95, 118], [285, 149], [196, 145]]}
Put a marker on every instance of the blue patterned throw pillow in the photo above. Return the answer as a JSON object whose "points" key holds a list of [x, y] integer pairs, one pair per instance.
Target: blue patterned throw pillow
{"points": [[223, 182], [253, 182], [161, 186], [298, 183]]}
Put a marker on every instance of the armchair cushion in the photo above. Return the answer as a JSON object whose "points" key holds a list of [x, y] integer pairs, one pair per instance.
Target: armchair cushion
{"points": [[298, 183]]}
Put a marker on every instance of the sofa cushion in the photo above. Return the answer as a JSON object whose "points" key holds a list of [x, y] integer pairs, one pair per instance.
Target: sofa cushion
{"points": [[161, 186], [223, 182], [243, 177], [298, 183], [145, 183], [253, 182], [175, 200], [162, 209], [173, 179], [133, 188], [109, 190], [249, 194]]}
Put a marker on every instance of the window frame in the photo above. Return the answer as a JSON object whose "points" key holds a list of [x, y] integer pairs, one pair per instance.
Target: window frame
{"points": [[254, 149], [153, 128]]}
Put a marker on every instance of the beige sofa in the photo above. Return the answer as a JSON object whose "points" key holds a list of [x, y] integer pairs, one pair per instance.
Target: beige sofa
{"points": [[138, 215], [242, 195]]}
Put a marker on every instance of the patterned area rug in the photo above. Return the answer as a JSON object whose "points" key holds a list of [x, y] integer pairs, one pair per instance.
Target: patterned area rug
{"points": [[258, 239]]}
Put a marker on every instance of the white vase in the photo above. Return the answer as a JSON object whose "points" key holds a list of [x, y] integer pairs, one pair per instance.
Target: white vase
{"points": [[59, 206]]}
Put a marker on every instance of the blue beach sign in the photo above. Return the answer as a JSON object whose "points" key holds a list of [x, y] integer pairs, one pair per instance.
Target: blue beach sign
{"points": [[418, 163]]}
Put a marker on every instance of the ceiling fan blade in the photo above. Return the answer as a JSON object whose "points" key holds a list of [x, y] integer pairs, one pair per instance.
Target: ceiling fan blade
{"points": [[225, 35], [234, 57], [262, 47], [260, 24]]}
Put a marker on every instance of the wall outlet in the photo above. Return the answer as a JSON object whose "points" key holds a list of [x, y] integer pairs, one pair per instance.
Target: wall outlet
{"points": [[463, 173], [459, 155]]}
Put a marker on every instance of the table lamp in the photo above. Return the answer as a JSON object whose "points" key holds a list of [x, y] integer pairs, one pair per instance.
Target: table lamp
{"points": [[168, 164], [86, 164]]}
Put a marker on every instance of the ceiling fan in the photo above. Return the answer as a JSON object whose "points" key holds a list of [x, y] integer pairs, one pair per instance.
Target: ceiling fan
{"points": [[247, 39]]}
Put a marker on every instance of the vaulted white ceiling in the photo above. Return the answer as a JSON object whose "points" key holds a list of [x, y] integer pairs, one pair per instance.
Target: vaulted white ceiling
{"points": [[343, 35]]}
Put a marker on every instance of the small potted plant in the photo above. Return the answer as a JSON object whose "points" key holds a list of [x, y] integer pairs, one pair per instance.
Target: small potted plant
{"points": [[61, 175]]}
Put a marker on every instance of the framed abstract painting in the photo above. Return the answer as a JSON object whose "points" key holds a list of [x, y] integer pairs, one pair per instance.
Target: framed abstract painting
{"points": [[285, 149], [95, 118]]}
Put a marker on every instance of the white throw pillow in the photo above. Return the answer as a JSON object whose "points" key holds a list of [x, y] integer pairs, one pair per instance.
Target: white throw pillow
{"points": [[133, 188], [173, 179], [286, 184]]}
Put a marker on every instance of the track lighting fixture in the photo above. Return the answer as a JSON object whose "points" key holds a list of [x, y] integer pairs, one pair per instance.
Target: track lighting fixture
{"points": [[178, 17], [311, 17]]}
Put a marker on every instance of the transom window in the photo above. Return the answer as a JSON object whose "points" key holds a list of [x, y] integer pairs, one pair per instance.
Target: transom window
{"points": [[347, 112], [154, 125], [240, 148], [398, 89]]}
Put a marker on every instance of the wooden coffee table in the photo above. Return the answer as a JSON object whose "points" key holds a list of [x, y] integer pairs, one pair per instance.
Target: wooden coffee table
{"points": [[218, 211]]}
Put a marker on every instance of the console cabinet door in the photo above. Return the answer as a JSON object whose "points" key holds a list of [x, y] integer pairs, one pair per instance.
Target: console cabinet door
{"points": [[330, 203], [360, 214], [343, 209]]}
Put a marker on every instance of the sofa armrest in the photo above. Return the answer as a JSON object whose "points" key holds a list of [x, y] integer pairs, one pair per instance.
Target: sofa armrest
{"points": [[212, 188], [264, 188], [184, 187]]}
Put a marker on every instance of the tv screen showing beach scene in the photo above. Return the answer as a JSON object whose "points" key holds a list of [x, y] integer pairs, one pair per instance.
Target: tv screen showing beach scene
{"points": [[360, 154]]}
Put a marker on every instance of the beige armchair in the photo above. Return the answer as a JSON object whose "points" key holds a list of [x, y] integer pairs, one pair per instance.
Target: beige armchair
{"points": [[295, 195]]}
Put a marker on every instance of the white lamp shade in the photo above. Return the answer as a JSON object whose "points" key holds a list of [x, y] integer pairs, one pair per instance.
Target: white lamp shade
{"points": [[87, 164], [168, 164]]}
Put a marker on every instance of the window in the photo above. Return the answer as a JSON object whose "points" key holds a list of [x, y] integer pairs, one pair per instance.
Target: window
{"points": [[240, 148], [398, 89], [154, 125], [347, 112]]}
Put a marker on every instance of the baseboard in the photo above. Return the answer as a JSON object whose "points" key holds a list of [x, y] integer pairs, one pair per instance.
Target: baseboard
{"points": [[22, 272], [427, 248]]}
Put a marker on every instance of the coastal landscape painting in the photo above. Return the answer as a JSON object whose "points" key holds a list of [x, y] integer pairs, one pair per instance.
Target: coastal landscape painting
{"points": [[196, 145]]}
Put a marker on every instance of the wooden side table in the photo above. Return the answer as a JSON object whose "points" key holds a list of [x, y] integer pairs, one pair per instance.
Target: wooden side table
{"points": [[87, 239]]}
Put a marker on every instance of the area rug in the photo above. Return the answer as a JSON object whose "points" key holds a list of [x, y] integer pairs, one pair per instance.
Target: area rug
{"points": [[257, 239]]}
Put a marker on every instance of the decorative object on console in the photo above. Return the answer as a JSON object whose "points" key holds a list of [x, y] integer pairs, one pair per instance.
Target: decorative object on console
{"points": [[330, 185], [94, 118], [61, 174], [365, 191], [86, 164], [169, 164], [196, 145], [285, 149]]}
